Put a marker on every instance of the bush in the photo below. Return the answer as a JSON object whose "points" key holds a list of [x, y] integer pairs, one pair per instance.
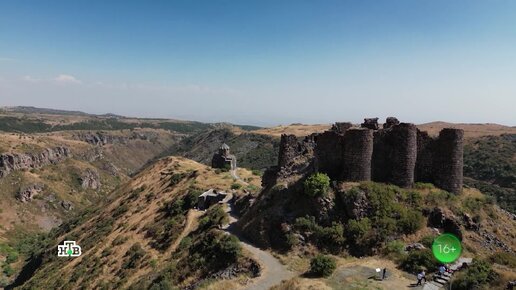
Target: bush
{"points": [[477, 275], [427, 241], [317, 184], [191, 198], [322, 266], [417, 260], [214, 217], [410, 221], [236, 186], [8, 270], [358, 229], [134, 255], [394, 249], [216, 249]]}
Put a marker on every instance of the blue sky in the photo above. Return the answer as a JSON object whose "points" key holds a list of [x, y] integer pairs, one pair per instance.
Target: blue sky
{"points": [[263, 62]]}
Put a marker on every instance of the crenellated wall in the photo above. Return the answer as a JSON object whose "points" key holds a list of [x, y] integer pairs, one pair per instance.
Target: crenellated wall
{"points": [[399, 154]]}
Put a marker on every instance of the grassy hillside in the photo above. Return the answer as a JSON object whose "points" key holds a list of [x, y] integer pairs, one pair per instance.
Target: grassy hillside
{"points": [[490, 164], [378, 221], [147, 235], [254, 151]]}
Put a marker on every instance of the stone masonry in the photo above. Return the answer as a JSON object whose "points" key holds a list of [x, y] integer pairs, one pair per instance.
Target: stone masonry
{"points": [[398, 153]]}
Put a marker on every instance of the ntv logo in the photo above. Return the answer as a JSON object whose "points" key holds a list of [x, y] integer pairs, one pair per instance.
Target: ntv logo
{"points": [[68, 249]]}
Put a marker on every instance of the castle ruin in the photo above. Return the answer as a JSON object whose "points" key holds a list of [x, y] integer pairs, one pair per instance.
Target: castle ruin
{"points": [[398, 153]]}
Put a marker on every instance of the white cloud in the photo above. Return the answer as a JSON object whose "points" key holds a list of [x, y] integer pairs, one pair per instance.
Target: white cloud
{"points": [[67, 79], [31, 79]]}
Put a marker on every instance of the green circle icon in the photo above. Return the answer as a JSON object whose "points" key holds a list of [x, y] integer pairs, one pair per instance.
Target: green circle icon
{"points": [[446, 248]]}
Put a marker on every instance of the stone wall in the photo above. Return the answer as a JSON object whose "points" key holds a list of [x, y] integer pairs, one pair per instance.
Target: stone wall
{"points": [[329, 153], [288, 149], [448, 160], [399, 154], [402, 140], [358, 150]]}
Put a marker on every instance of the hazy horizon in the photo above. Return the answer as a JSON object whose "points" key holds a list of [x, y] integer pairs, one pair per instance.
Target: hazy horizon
{"points": [[263, 63]]}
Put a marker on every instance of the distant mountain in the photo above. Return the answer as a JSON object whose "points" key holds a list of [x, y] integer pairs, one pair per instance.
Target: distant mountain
{"points": [[35, 110]]}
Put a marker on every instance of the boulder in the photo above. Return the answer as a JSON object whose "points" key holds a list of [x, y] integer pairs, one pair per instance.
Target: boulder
{"points": [[90, 179], [27, 194], [67, 205], [414, 246], [446, 221]]}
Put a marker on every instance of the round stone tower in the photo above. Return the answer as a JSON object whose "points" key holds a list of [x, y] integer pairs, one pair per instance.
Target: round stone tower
{"points": [[403, 145], [358, 150], [449, 162]]}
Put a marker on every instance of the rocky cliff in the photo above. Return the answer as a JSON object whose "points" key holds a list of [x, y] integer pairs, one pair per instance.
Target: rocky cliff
{"points": [[10, 162]]}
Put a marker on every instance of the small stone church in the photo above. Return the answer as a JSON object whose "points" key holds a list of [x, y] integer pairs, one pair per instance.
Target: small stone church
{"points": [[223, 158]]}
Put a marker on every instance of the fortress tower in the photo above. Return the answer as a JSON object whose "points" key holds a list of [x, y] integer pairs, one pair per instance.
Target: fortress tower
{"points": [[358, 150]]}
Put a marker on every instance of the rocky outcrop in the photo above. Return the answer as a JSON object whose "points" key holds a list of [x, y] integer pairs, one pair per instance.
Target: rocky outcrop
{"points": [[103, 138], [10, 162], [446, 221], [27, 193], [68, 206], [90, 179]]}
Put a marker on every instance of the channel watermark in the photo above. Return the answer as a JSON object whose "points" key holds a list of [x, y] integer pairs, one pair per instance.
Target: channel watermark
{"points": [[69, 249]]}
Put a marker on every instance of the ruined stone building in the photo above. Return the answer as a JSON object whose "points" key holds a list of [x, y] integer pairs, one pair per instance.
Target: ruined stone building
{"points": [[223, 158], [211, 197], [398, 153]]}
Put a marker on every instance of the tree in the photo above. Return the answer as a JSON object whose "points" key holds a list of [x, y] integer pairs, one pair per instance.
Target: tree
{"points": [[317, 184], [322, 266]]}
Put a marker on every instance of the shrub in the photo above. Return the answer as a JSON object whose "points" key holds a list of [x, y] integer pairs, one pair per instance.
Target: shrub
{"points": [[358, 229], [394, 249], [322, 266], [11, 257], [257, 172], [216, 249], [8, 270], [317, 184], [503, 258], [427, 241], [236, 186], [410, 221], [134, 255], [215, 216], [416, 260], [423, 185], [477, 275], [191, 198]]}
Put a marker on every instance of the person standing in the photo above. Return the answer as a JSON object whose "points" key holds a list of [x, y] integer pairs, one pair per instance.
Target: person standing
{"points": [[419, 278]]}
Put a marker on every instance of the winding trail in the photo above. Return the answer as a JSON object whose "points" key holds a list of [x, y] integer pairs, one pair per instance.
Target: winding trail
{"points": [[234, 174], [273, 272]]}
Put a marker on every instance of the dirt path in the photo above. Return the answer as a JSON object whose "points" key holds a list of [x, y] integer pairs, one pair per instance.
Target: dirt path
{"points": [[273, 272], [234, 174], [191, 217]]}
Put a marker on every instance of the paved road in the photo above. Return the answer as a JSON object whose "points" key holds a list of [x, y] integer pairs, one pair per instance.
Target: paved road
{"points": [[273, 272]]}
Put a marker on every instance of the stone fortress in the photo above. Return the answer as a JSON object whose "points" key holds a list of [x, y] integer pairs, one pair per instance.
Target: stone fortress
{"points": [[223, 158], [398, 153]]}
